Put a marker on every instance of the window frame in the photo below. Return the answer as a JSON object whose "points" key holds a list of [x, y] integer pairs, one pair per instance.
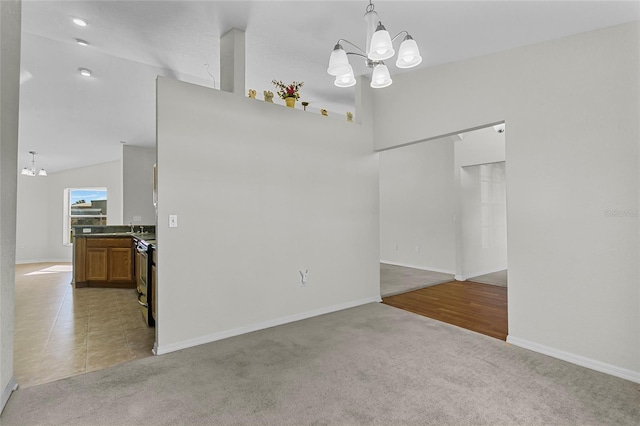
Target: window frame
{"points": [[67, 217]]}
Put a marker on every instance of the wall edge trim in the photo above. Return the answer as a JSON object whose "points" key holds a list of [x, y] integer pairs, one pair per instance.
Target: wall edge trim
{"points": [[165, 349], [6, 393], [582, 361]]}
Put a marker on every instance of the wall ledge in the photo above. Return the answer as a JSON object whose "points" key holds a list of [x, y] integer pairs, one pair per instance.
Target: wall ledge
{"points": [[6, 393], [165, 349], [582, 361]]}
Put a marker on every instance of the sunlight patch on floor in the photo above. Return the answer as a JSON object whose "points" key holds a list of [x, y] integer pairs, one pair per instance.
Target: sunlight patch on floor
{"points": [[55, 269]]}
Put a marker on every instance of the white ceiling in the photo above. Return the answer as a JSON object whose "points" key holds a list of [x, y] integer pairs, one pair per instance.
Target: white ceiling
{"points": [[73, 121]]}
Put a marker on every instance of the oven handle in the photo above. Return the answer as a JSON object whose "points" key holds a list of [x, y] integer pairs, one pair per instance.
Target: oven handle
{"points": [[143, 304]]}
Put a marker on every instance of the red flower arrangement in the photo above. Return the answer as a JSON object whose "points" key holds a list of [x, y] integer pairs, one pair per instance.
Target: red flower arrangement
{"points": [[288, 90]]}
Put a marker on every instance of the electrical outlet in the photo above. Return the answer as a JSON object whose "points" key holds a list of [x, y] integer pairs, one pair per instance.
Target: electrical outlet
{"points": [[137, 218], [417, 249]]}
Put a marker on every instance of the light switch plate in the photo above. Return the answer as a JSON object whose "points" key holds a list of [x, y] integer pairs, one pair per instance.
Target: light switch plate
{"points": [[173, 221]]}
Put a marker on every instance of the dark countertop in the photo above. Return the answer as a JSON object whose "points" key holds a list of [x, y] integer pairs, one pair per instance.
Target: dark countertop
{"points": [[149, 237]]}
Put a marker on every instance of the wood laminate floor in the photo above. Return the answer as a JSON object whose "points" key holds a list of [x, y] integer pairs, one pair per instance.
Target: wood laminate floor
{"points": [[61, 331], [475, 306]]}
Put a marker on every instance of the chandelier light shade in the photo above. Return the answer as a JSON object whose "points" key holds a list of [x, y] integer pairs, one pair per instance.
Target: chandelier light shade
{"points": [[379, 47], [381, 77], [409, 55], [338, 62], [31, 170], [347, 79]]}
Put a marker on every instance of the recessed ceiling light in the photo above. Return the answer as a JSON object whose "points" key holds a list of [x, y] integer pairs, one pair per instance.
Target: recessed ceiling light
{"points": [[82, 42], [80, 22], [85, 72]]}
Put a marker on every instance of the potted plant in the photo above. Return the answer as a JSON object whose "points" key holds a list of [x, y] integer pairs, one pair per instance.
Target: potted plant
{"points": [[289, 92]]}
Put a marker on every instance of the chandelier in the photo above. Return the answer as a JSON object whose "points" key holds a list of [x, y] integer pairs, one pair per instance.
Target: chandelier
{"points": [[379, 48], [31, 171]]}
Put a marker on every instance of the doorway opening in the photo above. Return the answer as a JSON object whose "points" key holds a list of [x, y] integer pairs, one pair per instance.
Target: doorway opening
{"points": [[443, 229]]}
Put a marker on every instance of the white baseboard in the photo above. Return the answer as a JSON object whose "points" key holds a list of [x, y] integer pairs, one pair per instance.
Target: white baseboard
{"points": [[478, 273], [24, 262], [424, 268], [164, 349], [602, 367], [459, 277], [6, 393]]}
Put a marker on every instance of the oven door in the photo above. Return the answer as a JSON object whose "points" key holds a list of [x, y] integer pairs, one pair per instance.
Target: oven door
{"points": [[142, 257]]}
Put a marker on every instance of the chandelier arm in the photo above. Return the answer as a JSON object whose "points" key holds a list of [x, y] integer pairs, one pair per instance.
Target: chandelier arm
{"points": [[354, 45], [358, 54], [399, 34]]}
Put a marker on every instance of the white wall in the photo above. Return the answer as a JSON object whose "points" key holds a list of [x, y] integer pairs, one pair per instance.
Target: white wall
{"points": [[10, 12], [33, 222], [571, 108], [261, 192], [137, 185], [480, 146], [41, 209], [417, 205], [483, 219], [473, 258]]}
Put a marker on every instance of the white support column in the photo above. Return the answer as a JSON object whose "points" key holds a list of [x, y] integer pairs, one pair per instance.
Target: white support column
{"points": [[232, 62]]}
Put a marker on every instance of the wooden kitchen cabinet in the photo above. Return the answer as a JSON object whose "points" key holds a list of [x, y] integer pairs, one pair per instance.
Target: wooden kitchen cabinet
{"points": [[104, 262], [96, 266]]}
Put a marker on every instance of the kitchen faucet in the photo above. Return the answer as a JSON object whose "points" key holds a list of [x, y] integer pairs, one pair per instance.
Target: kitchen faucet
{"points": [[131, 226], [141, 229]]}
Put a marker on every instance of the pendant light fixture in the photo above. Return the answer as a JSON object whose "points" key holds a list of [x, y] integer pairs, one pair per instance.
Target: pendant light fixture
{"points": [[32, 171], [379, 48]]}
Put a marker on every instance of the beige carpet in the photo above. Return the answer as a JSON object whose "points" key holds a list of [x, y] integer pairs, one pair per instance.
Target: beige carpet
{"points": [[372, 364], [400, 279]]}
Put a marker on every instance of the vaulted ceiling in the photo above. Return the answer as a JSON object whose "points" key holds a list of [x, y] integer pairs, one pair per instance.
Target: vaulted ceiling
{"points": [[74, 121]]}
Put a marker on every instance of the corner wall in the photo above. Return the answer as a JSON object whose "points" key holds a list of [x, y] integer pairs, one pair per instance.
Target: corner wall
{"points": [[261, 192], [480, 146], [10, 15], [571, 108]]}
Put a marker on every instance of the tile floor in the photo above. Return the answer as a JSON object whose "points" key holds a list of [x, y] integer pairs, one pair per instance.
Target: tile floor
{"points": [[61, 331]]}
